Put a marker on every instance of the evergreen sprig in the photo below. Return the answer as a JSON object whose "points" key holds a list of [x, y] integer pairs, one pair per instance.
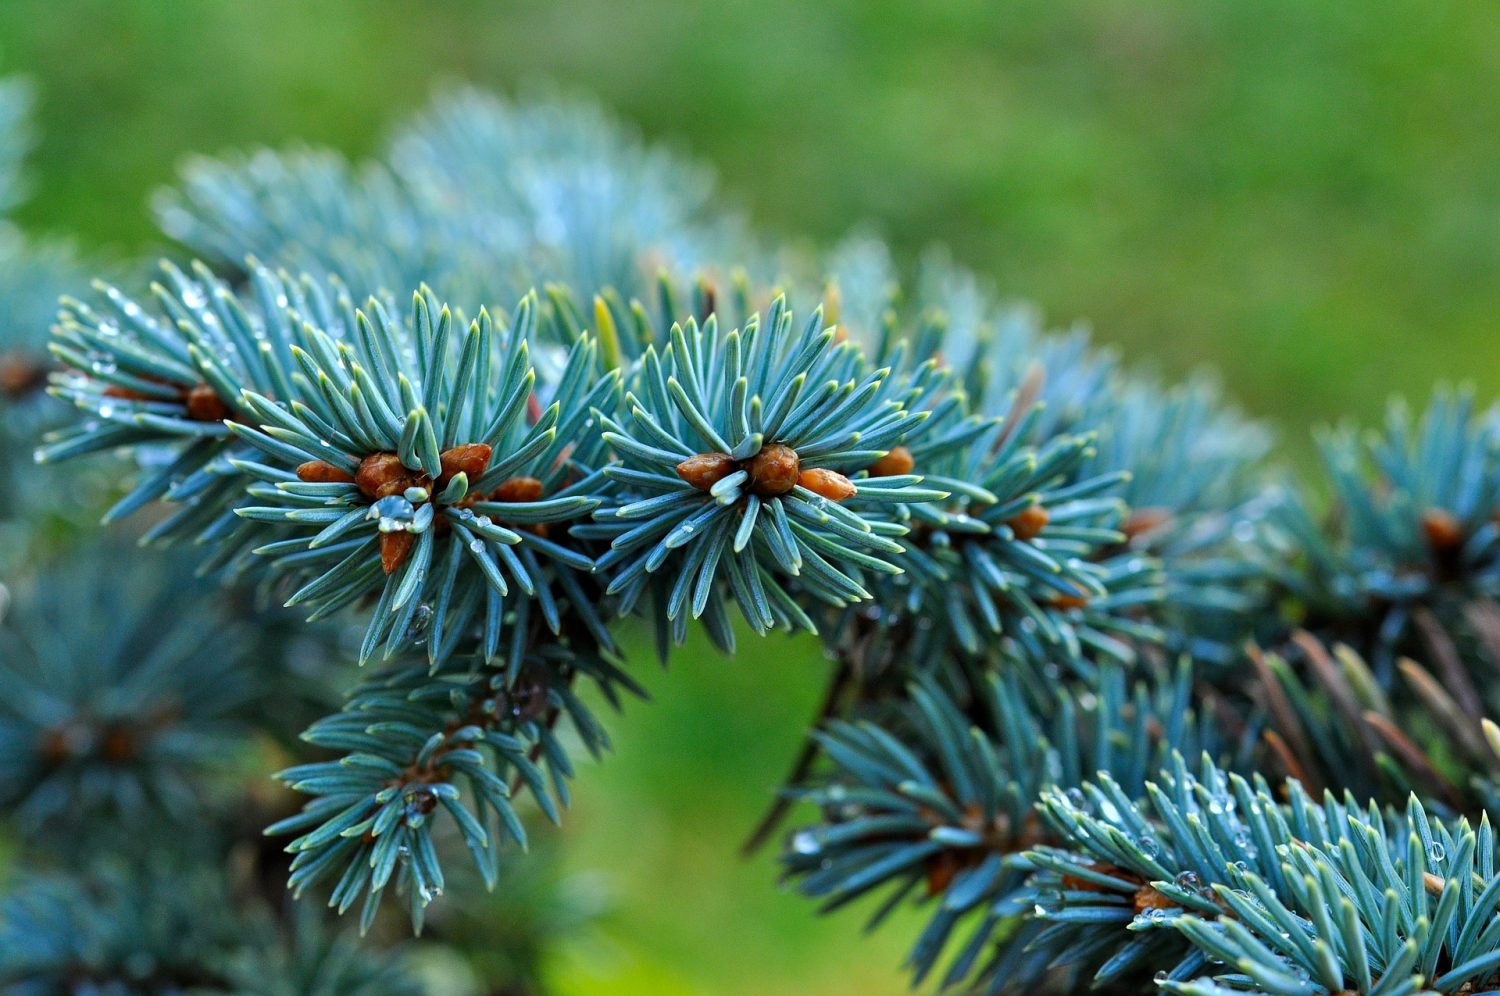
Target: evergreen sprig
{"points": [[1022, 552], [153, 929], [1412, 527], [414, 745], [744, 462], [1214, 876], [941, 801], [479, 197], [122, 713], [427, 469]]}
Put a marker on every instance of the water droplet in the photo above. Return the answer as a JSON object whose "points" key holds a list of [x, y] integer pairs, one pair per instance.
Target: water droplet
{"points": [[421, 621], [805, 842], [1436, 853]]}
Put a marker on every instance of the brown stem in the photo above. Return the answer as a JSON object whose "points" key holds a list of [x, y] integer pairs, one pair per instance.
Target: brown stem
{"points": [[843, 679]]}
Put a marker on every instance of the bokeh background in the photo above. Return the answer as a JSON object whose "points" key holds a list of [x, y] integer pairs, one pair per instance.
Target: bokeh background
{"points": [[1303, 196]]}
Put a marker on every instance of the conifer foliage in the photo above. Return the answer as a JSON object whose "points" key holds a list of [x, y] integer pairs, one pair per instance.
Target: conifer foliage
{"points": [[1112, 698]]}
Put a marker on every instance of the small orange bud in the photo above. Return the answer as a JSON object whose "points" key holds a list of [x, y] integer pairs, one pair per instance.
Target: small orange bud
{"points": [[773, 471], [54, 746], [518, 489], [118, 746], [1443, 530], [204, 404], [20, 374], [1029, 522], [127, 394], [393, 549], [1143, 520], [828, 483], [1147, 898], [942, 868], [318, 472], [381, 475], [470, 459], [706, 469], [710, 299], [897, 462], [1068, 601]]}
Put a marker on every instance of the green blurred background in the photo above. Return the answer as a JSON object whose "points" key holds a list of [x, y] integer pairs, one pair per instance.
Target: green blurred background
{"points": [[1301, 195]]}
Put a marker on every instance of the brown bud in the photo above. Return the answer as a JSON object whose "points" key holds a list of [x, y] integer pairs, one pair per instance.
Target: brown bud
{"points": [[54, 747], [895, 463], [942, 868], [423, 800], [393, 549], [1143, 520], [128, 394], [706, 469], [710, 299], [20, 374], [1147, 898], [1029, 522], [469, 459], [1433, 883], [1068, 601], [828, 483], [1443, 530], [318, 472], [118, 745], [773, 471], [204, 404], [518, 489], [381, 475]]}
